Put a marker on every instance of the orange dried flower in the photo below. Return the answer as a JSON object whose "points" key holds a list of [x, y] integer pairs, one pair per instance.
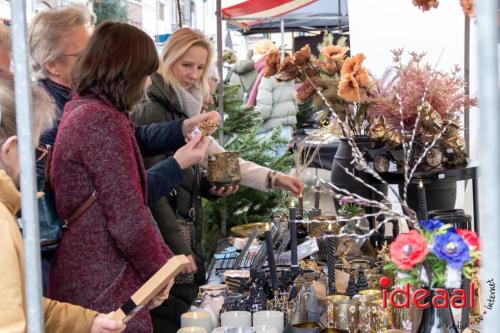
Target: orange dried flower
{"points": [[305, 91], [288, 70], [329, 68], [349, 88], [468, 7], [272, 64], [334, 52], [353, 64], [302, 56], [362, 78], [426, 5]]}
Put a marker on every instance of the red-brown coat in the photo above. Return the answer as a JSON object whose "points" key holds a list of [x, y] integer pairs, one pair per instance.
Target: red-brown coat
{"points": [[113, 248]]}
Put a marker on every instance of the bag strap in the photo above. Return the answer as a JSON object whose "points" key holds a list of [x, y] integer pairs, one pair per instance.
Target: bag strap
{"points": [[86, 205], [47, 151]]}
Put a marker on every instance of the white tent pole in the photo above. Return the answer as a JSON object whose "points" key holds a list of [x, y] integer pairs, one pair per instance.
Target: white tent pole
{"points": [[220, 89], [27, 163], [489, 182]]}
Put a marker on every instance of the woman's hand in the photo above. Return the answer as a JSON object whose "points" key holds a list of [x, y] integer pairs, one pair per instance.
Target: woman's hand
{"points": [[161, 296], [189, 124], [103, 323], [193, 152], [289, 183], [190, 268], [224, 192]]}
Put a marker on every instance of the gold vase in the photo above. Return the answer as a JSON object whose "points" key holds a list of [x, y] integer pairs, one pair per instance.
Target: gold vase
{"points": [[382, 317], [224, 169], [377, 294], [330, 309]]}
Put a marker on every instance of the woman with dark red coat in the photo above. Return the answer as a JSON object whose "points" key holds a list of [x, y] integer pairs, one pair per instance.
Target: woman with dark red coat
{"points": [[111, 249]]}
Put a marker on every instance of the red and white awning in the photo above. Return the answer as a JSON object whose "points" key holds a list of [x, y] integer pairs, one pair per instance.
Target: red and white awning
{"points": [[250, 12]]}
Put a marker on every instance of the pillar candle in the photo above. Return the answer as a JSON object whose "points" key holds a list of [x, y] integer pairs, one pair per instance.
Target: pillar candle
{"points": [[293, 237], [300, 213], [422, 201], [316, 196], [270, 259]]}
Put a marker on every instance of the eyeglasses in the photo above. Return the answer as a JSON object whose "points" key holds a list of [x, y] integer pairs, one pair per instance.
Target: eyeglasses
{"points": [[75, 55]]}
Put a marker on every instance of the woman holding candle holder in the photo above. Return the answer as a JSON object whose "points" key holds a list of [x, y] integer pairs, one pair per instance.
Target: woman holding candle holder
{"points": [[178, 91]]}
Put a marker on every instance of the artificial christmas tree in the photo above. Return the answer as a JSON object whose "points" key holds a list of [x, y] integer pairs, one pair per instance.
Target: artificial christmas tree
{"points": [[247, 205], [362, 284], [352, 288]]}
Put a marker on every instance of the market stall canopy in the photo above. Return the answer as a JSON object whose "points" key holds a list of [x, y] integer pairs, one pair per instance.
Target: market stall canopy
{"points": [[302, 15]]}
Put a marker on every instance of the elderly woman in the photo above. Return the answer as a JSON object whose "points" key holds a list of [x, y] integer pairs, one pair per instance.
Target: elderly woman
{"points": [[112, 247], [178, 91]]}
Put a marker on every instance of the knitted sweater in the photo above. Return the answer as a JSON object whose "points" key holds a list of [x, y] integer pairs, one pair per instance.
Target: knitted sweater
{"points": [[113, 248]]}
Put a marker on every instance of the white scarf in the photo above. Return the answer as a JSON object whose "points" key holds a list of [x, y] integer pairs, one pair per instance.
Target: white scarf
{"points": [[190, 100]]}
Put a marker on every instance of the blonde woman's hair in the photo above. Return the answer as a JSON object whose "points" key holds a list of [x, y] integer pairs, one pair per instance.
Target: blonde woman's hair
{"points": [[48, 28], [176, 46], [43, 108], [263, 47]]}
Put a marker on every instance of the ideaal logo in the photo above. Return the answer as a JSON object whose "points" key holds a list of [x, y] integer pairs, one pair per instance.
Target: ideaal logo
{"points": [[420, 298]]}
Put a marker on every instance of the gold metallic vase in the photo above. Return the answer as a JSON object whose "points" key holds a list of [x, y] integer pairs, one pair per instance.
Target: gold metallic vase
{"points": [[224, 169]]}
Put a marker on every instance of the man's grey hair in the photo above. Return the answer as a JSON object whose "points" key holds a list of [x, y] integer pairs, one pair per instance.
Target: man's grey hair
{"points": [[48, 28]]}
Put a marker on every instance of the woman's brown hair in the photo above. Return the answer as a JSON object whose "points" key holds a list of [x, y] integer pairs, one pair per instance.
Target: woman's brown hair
{"points": [[116, 63]]}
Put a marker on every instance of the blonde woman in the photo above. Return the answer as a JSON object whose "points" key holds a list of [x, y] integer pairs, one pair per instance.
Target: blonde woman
{"points": [[178, 91]]}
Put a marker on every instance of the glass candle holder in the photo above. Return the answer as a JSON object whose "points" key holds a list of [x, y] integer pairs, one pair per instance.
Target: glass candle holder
{"points": [[330, 302], [346, 315], [382, 317]]}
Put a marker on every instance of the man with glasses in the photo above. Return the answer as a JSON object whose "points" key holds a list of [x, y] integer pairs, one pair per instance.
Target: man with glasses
{"points": [[56, 39]]}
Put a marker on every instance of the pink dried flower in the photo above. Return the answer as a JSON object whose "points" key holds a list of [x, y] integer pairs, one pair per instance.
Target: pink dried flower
{"points": [[445, 92]]}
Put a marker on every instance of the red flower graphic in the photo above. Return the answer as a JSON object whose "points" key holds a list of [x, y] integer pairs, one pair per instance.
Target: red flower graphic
{"points": [[408, 250], [470, 237]]}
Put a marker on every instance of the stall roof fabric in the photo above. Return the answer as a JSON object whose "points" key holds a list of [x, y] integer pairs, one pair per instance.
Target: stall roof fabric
{"points": [[317, 15], [246, 13]]}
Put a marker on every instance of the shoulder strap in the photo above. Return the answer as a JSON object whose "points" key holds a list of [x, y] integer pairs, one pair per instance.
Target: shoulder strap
{"points": [[47, 155], [86, 205]]}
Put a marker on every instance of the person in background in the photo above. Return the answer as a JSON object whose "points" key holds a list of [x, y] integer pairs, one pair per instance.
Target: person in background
{"points": [[58, 317], [113, 248], [5, 47], [56, 38], [178, 91], [277, 105], [243, 74]]}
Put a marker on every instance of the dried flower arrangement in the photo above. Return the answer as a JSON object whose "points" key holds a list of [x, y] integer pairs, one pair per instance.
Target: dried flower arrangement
{"points": [[416, 99], [426, 5], [342, 80]]}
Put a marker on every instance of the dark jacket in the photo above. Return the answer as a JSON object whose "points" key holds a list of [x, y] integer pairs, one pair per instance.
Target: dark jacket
{"points": [[163, 106], [113, 248]]}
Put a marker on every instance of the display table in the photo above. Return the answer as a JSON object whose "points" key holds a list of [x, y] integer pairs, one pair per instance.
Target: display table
{"points": [[468, 172], [325, 156]]}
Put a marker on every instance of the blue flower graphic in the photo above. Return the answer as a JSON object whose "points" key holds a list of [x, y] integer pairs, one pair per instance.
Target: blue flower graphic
{"points": [[431, 225], [451, 247]]}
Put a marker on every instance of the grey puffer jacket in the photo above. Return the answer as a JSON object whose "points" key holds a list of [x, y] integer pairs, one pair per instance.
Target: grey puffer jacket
{"points": [[276, 104], [243, 74]]}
